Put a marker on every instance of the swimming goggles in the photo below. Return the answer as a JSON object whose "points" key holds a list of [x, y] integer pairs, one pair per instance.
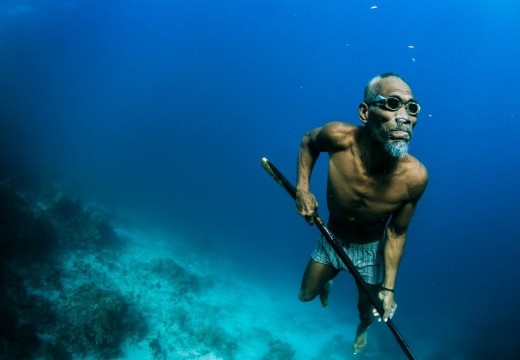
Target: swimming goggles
{"points": [[393, 104]]}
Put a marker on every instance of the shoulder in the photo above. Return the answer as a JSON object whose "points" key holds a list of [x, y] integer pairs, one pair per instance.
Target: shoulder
{"points": [[337, 134], [339, 127]]}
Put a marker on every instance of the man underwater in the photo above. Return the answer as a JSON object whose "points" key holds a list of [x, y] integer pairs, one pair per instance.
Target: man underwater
{"points": [[373, 188]]}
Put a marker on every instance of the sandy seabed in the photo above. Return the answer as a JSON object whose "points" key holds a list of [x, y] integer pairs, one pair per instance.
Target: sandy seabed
{"points": [[76, 286], [208, 311]]}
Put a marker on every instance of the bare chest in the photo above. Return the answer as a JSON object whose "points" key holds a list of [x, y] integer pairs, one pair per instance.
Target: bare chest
{"points": [[355, 195]]}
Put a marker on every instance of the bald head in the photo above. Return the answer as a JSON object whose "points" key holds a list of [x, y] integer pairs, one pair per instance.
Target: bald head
{"points": [[373, 87]]}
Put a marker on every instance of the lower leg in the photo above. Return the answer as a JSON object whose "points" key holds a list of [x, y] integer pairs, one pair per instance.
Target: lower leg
{"points": [[360, 340], [324, 294], [366, 318]]}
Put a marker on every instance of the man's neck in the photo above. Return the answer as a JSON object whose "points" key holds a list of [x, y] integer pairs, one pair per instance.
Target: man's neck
{"points": [[376, 160]]}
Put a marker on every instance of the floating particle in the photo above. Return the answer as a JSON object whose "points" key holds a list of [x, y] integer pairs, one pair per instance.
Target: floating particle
{"points": [[430, 115], [373, 7], [411, 47], [413, 59]]}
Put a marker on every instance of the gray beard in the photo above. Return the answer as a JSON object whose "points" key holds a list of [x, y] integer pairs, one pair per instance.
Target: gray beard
{"points": [[396, 149]]}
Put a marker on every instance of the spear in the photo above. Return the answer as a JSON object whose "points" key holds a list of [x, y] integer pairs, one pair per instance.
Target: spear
{"points": [[329, 237]]}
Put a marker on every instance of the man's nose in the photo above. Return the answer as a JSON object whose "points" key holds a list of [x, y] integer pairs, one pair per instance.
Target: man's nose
{"points": [[403, 116], [400, 120]]}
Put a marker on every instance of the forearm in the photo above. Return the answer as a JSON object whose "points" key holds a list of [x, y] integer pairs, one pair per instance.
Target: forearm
{"points": [[394, 248], [307, 157]]}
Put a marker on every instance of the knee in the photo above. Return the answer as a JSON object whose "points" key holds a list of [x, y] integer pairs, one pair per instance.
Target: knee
{"points": [[305, 296]]}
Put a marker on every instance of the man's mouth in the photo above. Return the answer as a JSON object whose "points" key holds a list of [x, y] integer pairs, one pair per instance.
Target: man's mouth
{"points": [[399, 135]]}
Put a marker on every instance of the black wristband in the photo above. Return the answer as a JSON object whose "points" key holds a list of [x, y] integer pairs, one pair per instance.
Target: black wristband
{"points": [[387, 289]]}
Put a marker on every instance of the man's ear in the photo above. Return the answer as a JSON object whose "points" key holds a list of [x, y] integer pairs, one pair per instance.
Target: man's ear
{"points": [[363, 112]]}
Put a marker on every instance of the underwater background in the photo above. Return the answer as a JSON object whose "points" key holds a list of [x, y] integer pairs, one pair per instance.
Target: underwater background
{"points": [[137, 223]]}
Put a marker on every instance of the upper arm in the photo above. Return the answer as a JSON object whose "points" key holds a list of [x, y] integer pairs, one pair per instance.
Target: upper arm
{"points": [[403, 216]]}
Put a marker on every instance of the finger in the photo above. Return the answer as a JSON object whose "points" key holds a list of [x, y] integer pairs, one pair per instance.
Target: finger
{"points": [[303, 211], [389, 313], [306, 216], [376, 314], [392, 313]]}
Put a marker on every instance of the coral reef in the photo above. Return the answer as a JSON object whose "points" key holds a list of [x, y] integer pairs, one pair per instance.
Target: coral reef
{"points": [[67, 214], [73, 287], [19, 318], [38, 317], [168, 269], [23, 234], [217, 339], [279, 350], [96, 321]]}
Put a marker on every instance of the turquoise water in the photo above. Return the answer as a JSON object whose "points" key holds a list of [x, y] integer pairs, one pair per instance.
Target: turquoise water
{"points": [[159, 112]]}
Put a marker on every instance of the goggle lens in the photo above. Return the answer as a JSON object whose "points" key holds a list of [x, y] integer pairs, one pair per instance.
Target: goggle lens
{"points": [[393, 103], [412, 108]]}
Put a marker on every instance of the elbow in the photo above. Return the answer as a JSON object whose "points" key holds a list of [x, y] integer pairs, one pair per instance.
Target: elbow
{"points": [[393, 231], [310, 141], [309, 146], [306, 140]]}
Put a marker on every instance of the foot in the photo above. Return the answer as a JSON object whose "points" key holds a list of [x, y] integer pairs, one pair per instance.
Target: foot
{"points": [[324, 294], [361, 339]]}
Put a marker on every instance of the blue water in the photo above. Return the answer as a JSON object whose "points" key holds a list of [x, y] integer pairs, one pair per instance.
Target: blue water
{"points": [[163, 109]]}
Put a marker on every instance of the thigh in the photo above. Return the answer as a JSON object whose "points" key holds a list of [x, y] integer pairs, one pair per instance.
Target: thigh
{"points": [[315, 276]]}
